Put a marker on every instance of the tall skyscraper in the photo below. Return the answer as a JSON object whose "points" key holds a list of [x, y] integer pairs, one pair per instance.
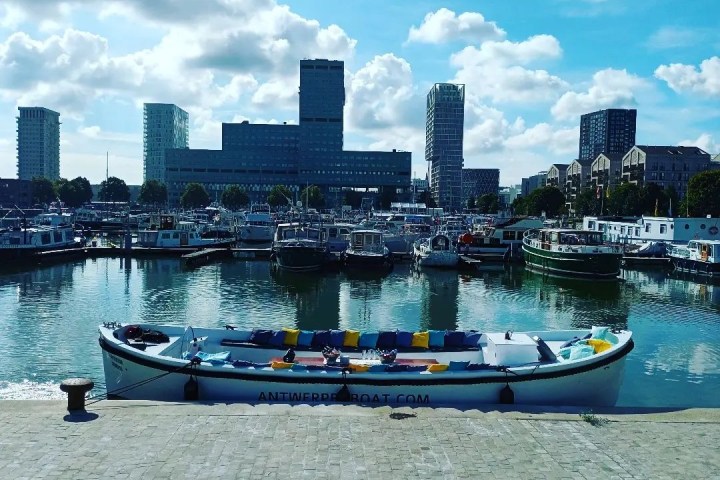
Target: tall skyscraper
{"points": [[322, 99], [444, 143], [164, 126], [607, 131], [38, 143]]}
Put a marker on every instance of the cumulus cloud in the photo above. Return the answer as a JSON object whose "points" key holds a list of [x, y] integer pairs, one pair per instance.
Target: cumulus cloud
{"points": [[704, 141], [445, 26], [610, 89], [674, 37], [559, 141], [688, 78], [496, 70]]}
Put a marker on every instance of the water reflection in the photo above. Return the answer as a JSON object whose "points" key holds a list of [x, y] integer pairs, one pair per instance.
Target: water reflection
{"points": [[439, 298], [315, 295]]}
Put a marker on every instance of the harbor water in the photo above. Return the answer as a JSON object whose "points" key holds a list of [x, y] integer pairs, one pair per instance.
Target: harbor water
{"points": [[48, 326]]}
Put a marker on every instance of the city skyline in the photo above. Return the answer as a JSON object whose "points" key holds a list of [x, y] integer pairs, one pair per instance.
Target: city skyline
{"points": [[528, 77]]}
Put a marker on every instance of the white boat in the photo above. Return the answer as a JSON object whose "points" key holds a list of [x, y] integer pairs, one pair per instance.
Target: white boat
{"points": [[299, 247], [435, 251], [464, 369], [174, 233], [497, 236], [698, 256], [367, 250], [259, 227], [18, 244]]}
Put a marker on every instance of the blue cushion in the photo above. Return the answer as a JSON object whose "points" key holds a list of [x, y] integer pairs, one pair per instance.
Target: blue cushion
{"points": [[396, 368], [457, 365], [321, 338], [416, 368], [298, 366], [242, 363], [260, 336], [480, 366], [454, 339], [404, 339], [377, 368], [305, 338], [261, 364], [437, 338], [368, 340], [277, 339], [214, 358], [387, 339], [337, 338], [471, 339]]}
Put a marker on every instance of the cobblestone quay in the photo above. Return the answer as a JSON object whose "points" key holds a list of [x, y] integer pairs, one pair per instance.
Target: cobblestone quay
{"points": [[119, 439]]}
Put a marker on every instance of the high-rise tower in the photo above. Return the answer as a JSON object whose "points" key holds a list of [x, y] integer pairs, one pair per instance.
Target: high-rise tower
{"points": [[38, 143], [606, 131], [164, 126], [322, 99], [444, 143]]}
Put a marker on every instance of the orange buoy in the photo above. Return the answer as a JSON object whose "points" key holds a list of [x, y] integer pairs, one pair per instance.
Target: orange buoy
{"points": [[466, 238]]}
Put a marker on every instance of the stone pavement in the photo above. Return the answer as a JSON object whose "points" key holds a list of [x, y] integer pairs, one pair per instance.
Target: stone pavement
{"points": [[123, 440]]}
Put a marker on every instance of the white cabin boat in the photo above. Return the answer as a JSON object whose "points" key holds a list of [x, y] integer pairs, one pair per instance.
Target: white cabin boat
{"points": [[435, 251], [173, 233], [18, 244], [259, 226], [463, 369], [366, 250], [698, 256]]}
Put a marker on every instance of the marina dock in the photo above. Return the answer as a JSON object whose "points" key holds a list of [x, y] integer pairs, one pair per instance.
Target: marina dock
{"points": [[122, 439]]}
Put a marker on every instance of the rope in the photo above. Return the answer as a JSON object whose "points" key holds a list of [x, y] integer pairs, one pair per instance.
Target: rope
{"points": [[104, 396]]}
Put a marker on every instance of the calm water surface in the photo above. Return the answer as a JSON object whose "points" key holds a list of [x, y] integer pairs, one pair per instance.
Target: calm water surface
{"points": [[48, 326]]}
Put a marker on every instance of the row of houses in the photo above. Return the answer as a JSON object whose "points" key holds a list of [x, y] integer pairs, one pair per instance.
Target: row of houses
{"points": [[664, 166]]}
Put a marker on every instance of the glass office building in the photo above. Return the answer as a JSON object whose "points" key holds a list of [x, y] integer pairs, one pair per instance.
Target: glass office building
{"points": [[164, 126], [480, 181], [444, 143], [38, 143], [257, 157], [606, 131]]}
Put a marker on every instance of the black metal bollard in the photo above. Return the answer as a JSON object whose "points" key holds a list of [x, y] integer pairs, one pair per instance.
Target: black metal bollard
{"points": [[76, 388]]}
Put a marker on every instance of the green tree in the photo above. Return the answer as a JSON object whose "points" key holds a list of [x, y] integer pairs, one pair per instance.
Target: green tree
{"points": [[194, 196], [547, 199], [488, 203], [703, 194], [234, 197], [43, 190], [626, 199], [75, 192], [114, 190], [352, 198], [279, 195], [153, 192], [654, 199], [311, 196], [519, 206], [586, 202], [387, 196], [471, 203]]}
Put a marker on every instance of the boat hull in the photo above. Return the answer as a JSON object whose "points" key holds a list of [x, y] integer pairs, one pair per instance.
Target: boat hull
{"points": [[441, 259], [589, 383], [583, 265], [699, 267], [300, 257], [366, 261]]}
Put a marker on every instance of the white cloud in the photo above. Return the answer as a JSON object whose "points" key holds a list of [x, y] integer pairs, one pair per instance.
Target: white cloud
{"points": [[610, 89], [687, 78], [674, 37], [704, 141], [496, 70], [444, 26], [559, 141]]}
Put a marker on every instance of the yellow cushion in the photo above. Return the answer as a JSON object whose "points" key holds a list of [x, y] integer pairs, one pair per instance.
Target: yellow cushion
{"points": [[599, 345], [359, 368], [351, 338], [291, 336], [420, 339], [277, 365], [437, 367]]}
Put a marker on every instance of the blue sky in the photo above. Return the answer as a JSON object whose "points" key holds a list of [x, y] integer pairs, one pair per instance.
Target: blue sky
{"points": [[531, 68]]}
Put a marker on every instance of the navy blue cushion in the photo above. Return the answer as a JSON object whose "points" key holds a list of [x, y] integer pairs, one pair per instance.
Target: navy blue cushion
{"points": [[277, 339], [471, 338], [456, 365], [260, 336], [479, 366], [321, 338], [337, 338], [387, 339], [396, 368], [454, 339], [404, 339], [243, 363], [305, 338], [416, 368]]}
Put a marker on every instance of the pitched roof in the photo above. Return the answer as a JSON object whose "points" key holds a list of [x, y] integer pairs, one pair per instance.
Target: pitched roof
{"points": [[672, 149]]}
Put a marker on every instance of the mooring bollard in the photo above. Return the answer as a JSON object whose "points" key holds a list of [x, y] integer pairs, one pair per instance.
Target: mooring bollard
{"points": [[76, 388]]}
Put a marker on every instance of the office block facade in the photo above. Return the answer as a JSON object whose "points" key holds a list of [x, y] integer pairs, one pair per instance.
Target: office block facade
{"points": [[578, 177], [38, 143], [606, 131], [533, 182], [444, 143], [556, 175], [257, 157], [164, 126], [664, 166], [479, 181]]}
